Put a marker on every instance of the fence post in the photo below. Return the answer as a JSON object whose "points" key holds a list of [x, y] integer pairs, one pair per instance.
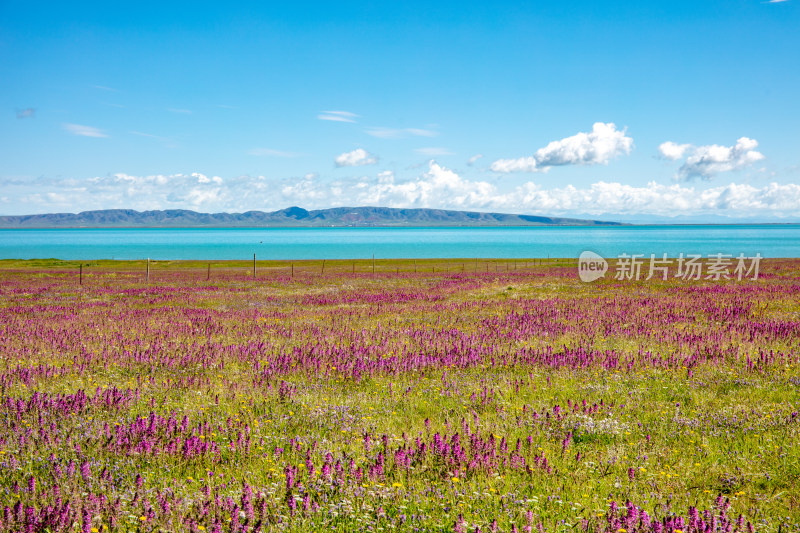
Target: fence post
{"points": [[373, 264], [80, 274], [254, 266], [148, 270], [208, 276], [323, 266]]}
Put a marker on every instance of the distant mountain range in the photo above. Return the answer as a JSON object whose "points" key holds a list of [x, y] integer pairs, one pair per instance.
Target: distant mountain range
{"points": [[290, 217]]}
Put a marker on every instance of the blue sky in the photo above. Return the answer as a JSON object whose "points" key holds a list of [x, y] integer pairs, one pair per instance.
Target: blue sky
{"points": [[623, 109]]}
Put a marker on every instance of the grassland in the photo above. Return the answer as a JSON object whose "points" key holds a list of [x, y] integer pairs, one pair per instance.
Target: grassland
{"points": [[428, 395]]}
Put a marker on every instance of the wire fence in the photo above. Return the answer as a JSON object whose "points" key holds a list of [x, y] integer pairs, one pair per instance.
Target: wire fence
{"points": [[153, 271]]}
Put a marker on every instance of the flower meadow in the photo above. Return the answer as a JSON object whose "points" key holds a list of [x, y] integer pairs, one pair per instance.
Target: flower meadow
{"points": [[426, 396]]}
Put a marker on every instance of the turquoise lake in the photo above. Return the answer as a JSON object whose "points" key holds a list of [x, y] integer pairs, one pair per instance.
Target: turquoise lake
{"points": [[362, 243]]}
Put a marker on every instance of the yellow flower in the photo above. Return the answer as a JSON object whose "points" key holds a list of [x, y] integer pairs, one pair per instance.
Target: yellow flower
{"points": [[454, 479], [201, 528], [399, 485], [95, 530], [142, 518]]}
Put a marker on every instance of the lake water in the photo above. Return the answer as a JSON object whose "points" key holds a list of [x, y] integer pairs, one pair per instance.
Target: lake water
{"points": [[362, 243]]}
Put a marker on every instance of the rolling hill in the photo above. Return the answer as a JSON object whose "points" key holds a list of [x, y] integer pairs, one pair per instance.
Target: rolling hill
{"points": [[290, 217]]}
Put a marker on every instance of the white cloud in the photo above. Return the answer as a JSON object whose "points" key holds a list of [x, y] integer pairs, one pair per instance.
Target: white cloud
{"points": [[673, 151], [434, 151], [667, 200], [438, 187], [435, 187], [399, 133], [707, 161], [356, 158], [599, 146], [305, 191], [474, 159], [523, 164], [338, 116], [84, 131]]}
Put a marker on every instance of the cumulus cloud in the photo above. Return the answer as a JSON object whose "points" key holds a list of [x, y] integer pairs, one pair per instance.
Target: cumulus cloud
{"points": [[338, 116], [673, 151], [706, 161], [438, 187], [356, 158], [399, 133], [305, 191], [435, 187], [740, 200], [599, 146], [603, 143], [84, 131]]}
